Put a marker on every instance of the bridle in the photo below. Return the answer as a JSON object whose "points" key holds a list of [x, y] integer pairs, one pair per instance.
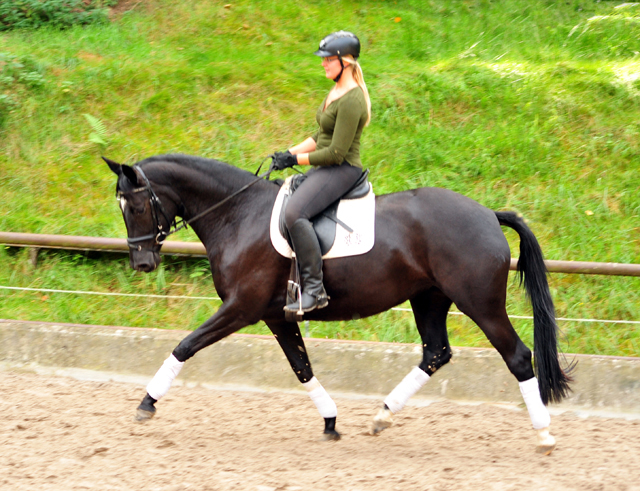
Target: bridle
{"points": [[156, 210], [159, 234]]}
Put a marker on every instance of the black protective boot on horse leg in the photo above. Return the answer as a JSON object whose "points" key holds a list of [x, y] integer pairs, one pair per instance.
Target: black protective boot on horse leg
{"points": [[292, 344], [307, 249]]}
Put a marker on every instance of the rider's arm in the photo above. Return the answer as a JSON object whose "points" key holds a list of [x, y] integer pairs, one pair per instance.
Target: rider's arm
{"points": [[302, 150]]}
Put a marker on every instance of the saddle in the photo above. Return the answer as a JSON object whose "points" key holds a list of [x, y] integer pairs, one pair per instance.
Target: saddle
{"points": [[358, 208], [326, 222]]}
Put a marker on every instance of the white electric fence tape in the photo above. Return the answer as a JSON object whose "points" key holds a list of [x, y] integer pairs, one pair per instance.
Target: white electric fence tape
{"points": [[187, 297]]}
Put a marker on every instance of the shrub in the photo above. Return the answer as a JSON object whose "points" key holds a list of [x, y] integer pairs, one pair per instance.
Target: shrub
{"points": [[7, 103], [23, 70], [17, 75], [32, 14]]}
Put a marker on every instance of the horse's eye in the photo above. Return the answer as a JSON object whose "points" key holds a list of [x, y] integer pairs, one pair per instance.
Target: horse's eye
{"points": [[138, 210]]}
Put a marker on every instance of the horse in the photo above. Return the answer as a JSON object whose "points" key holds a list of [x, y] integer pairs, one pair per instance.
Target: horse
{"points": [[433, 247]]}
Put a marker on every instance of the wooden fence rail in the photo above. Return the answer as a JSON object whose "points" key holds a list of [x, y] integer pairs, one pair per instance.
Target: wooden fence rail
{"points": [[70, 242]]}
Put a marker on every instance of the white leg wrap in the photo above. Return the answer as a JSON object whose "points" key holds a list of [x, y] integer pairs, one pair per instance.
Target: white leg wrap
{"points": [[161, 382], [537, 411], [411, 384], [321, 398]]}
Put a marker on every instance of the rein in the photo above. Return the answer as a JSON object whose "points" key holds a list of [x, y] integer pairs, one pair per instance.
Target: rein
{"points": [[156, 206]]}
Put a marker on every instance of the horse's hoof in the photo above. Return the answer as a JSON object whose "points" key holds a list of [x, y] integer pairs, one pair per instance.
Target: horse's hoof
{"points": [[146, 410], [144, 415], [382, 421], [330, 436], [545, 449], [546, 442]]}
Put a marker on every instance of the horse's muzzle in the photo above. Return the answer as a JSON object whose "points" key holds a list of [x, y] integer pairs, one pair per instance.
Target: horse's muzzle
{"points": [[145, 260]]}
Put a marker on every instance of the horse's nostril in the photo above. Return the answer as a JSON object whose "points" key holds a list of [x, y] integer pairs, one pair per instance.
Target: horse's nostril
{"points": [[144, 267], [144, 262]]}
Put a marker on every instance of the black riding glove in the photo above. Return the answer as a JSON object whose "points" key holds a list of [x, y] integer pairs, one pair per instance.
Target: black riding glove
{"points": [[282, 160]]}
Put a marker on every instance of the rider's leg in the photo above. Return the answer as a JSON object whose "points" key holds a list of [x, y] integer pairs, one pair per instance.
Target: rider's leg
{"points": [[322, 187], [307, 248]]}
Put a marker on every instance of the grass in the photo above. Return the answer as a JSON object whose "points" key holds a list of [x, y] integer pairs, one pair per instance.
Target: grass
{"points": [[523, 106]]}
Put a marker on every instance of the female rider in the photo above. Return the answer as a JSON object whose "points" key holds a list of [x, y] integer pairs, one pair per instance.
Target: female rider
{"points": [[334, 151]]}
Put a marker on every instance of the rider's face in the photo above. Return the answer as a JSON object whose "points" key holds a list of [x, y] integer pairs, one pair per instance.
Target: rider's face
{"points": [[331, 66]]}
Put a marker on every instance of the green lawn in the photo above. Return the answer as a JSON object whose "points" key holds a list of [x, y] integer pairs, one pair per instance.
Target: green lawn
{"points": [[526, 106]]}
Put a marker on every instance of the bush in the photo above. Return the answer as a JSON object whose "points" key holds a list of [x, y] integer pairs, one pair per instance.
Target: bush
{"points": [[17, 75], [20, 70], [6, 105], [32, 14]]}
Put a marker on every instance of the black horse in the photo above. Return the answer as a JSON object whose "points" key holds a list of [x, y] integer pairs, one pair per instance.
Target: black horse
{"points": [[432, 247]]}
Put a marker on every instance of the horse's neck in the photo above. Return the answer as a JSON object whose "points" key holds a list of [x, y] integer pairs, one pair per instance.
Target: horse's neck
{"points": [[198, 191]]}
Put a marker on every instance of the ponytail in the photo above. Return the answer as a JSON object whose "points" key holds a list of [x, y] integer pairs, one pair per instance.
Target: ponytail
{"points": [[358, 76]]}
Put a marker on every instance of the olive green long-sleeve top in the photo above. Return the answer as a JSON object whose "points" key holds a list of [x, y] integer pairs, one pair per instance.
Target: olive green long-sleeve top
{"points": [[341, 123]]}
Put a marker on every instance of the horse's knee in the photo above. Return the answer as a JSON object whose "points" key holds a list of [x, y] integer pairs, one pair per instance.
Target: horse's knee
{"points": [[432, 360]]}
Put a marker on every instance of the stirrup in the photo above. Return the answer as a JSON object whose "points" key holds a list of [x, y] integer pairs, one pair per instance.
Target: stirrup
{"points": [[308, 302]]}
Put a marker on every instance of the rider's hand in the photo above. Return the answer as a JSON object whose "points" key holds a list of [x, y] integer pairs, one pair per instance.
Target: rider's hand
{"points": [[282, 160]]}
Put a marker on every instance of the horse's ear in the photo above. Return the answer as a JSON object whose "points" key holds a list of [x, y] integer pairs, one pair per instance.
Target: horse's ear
{"points": [[114, 166], [130, 174]]}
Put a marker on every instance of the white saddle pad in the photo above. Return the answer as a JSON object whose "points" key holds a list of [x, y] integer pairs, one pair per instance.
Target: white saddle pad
{"points": [[359, 214]]}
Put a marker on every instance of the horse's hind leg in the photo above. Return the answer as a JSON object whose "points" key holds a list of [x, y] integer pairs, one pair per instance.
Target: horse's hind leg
{"points": [[430, 310], [494, 322], [292, 343]]}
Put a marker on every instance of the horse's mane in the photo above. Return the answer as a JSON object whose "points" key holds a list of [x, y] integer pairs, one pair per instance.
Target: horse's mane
{"points": [[208, 168]]}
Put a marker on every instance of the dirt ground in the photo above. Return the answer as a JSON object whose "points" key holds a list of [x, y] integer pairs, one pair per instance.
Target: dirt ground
{"points": [[62, 434]]}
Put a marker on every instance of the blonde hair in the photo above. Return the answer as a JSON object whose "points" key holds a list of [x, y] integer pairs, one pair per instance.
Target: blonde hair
{"points": [[358, 76]]}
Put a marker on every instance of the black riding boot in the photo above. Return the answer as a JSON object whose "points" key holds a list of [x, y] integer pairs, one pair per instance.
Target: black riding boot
{"points": [[307, 249]]}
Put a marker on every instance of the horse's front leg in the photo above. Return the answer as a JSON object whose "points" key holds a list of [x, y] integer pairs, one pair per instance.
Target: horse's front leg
{"points": [[227, 320], [292, 343]]}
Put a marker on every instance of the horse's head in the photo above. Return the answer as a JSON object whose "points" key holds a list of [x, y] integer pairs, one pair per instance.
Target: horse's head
{"points": [[146, 219]]}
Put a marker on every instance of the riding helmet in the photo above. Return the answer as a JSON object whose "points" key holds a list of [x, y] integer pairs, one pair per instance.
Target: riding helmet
{"points": [[341, 43]]}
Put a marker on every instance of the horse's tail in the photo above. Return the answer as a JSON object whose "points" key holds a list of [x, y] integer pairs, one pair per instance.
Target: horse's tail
{"points": [[552, 379]]}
